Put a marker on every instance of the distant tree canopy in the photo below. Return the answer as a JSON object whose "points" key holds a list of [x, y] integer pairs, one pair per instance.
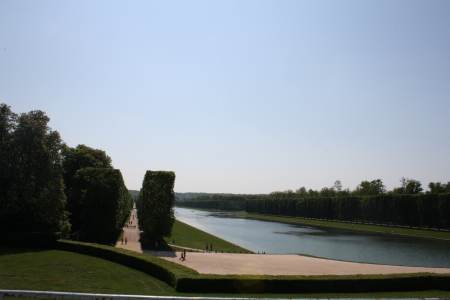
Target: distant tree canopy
{"points": [[32, 191], [374, 187], [409, 186], [104, 203], [155, 204], [439, 188], [74, 160], [369, 202]]}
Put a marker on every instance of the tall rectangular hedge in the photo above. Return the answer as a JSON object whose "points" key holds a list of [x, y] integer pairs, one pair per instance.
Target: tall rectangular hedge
{"points": [[105, 204], [155, 204]]}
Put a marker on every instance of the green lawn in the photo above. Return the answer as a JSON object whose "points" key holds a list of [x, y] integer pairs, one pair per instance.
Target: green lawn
{"points": [[187, 236], [67, 271], [360, 227]]}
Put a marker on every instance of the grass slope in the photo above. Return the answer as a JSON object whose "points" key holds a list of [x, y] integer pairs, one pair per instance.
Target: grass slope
{"points": [[422, 233], [67, 271], [185, 235]]}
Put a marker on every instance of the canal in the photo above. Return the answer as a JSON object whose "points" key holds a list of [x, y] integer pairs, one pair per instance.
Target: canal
{"points": [[280, 238]]}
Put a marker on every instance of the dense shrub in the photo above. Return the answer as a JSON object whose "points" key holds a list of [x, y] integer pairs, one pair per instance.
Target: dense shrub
{"points": [[105, 203], [75, 159], [155, 205]]}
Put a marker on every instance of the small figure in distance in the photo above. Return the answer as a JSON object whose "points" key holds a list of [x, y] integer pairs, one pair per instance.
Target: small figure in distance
{"points": [[126, 240], [183, 255]]}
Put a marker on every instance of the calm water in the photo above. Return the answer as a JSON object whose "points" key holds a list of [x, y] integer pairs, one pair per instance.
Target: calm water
{"points": [[273, 237]]}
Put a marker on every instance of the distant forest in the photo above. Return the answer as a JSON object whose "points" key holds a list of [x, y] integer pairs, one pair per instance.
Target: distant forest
{"points": [[406, 205]]}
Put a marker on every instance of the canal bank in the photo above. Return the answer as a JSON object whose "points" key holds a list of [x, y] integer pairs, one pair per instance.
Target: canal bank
{"points": [[357, 226], [337, 244]]}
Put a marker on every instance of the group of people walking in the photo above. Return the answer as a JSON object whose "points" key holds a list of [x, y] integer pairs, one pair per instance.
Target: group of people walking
{"points": [[209, 247]]}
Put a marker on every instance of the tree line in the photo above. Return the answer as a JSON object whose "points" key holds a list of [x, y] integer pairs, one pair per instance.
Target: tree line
{"points": [[407, 205], [49, 190]]}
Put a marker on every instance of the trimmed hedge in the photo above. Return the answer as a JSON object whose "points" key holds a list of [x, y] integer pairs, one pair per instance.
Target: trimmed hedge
{"points": [[313, 284], [105, 204], [154, 266], [30, 239], [155, 205], [188, 280]]}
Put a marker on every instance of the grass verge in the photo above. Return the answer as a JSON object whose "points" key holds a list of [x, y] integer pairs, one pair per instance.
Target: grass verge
{"points": [[422, 233], [185, 235]]}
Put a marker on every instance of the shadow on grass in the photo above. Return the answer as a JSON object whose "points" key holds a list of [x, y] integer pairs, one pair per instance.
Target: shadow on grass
{"points": [[156, 247], [11, 249], [161, 253]]}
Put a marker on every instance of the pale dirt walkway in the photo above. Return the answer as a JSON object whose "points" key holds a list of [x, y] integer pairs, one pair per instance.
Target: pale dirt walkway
{"points": [[131, 233], [265, 264]]}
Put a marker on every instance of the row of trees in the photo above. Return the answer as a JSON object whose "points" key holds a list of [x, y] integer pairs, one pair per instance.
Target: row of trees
{"points": [[48, 189], [374, 187], [369, 202], [155, 206]]}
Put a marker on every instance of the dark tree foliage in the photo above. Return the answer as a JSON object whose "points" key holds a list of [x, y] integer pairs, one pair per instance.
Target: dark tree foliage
{"points": [[7, 125], [32, 197], [155, 204], [421, 210], [75, 159], [439, 188], [409, 186], [104, 201], [374, 187]]}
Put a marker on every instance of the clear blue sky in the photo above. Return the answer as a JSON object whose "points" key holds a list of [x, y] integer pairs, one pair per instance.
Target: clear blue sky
{"points": [[239, 96]]}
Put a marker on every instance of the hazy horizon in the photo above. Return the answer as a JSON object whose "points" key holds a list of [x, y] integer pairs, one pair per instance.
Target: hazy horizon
{"points": [[239, 96]]}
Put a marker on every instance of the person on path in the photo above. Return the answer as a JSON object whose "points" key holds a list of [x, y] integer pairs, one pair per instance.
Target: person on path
{"points": [[183, 255]]}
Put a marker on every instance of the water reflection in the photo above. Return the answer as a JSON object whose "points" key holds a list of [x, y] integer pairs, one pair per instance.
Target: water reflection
{"points": [[274, 237]]}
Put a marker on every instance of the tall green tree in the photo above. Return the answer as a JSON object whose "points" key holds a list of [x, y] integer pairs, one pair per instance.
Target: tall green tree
{"points": [[409, 186], [374, 187], [33, 197], [155, 205], [7, 125], [75, 159]]}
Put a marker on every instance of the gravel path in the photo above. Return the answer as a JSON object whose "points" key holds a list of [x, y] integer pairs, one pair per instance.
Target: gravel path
{"points": [[265, 264], [131, 233]]}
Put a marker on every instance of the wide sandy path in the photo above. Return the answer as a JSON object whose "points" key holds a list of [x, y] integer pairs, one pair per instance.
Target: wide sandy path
{"points": [[131, 234], [259, 264]]}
